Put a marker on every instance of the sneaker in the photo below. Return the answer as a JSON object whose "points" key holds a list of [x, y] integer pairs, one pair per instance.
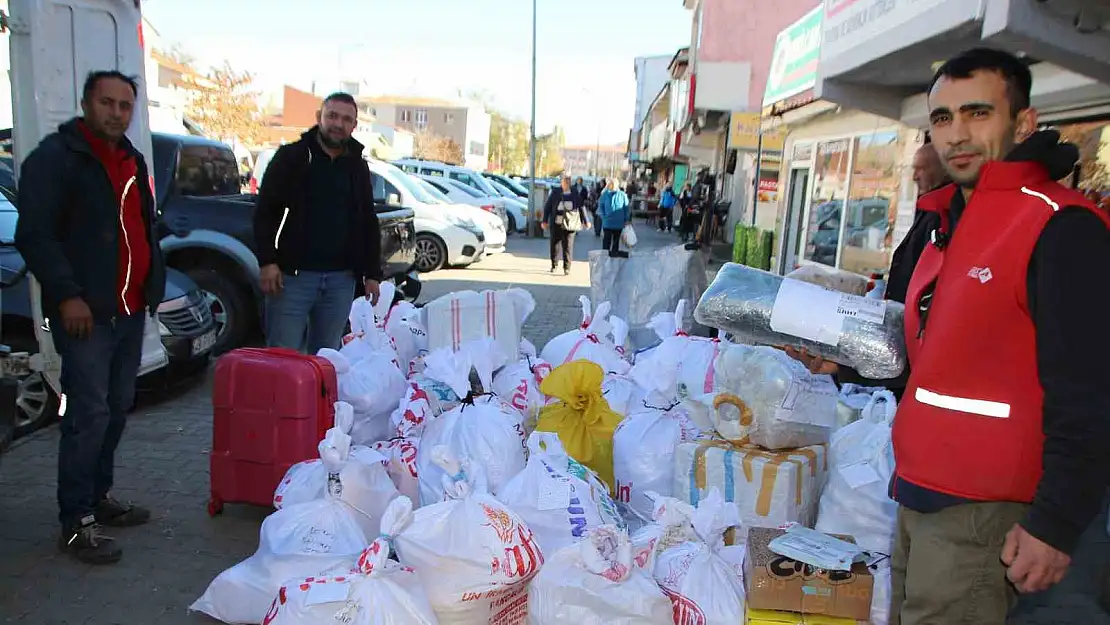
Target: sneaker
{"points": [[113, 513], [88, 544]]}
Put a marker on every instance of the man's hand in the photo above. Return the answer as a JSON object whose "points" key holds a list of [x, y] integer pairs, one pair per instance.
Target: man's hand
{"points": [[1032, 565], [77, 319], [373, 290], [270, 277], [816, 364], [543, 225]]}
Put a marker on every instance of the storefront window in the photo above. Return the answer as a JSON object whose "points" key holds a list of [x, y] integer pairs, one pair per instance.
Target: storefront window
{"points": [[872, 203], [830, 188]]}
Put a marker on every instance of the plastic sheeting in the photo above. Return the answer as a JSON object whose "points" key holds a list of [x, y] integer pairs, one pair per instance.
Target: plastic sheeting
{"points": [[764, 308], [645, 284]]}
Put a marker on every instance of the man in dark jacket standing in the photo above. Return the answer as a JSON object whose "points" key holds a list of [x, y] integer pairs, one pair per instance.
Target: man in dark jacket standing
{"points": [[316, 232], [86, 232]]}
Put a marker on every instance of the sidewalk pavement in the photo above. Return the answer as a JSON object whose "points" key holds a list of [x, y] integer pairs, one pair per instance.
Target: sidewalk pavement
{"points": [[163, 463]]}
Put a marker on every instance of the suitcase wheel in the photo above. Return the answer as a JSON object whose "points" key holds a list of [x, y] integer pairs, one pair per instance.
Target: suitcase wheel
{"points": [[215, 506]]}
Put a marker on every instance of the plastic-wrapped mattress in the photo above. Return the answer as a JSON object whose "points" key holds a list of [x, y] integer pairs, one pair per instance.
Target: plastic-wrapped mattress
{"points": [[763, 308]]}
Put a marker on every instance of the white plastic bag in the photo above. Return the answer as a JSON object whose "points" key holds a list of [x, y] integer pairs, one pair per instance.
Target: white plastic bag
{"points": [[596, 582], [681, 366], [478, 553], [640, 443], [318, 538], [623, 394], [592, 341], [628, 236], [354, 473], [400, 454], [702, 578], [366, 338], [853, 398], [378, 591], [881, 594], [406, 331], [861, 462], [671, 525], [519, 385], [560, 508], [373, 386]]}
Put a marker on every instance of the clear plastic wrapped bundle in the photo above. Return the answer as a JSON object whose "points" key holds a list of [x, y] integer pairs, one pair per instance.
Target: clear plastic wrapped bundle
{"points": [[763, 308]]}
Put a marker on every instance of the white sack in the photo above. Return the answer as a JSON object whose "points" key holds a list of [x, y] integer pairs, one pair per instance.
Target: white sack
{"points": [[591, 341], [373, 386], [400, 454], [643, 445], [671, 525], [464, 316], [681, 366], [519, 385]]}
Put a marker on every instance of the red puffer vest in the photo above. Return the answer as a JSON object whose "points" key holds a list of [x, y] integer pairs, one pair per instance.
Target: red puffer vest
{"points": [[970, 421]]}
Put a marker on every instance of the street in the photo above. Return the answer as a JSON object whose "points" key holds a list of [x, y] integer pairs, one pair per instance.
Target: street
{"points": [[163, 464]]}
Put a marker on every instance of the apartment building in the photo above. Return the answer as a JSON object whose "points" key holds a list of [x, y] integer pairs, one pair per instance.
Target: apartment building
{"points": [[594, 160], [466, 124]]}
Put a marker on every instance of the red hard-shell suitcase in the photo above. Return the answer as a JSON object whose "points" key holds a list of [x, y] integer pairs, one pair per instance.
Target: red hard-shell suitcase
{"points": [[271, 409]]}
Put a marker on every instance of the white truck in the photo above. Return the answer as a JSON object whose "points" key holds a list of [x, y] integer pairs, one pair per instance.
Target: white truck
{"points": [[54, 44]]}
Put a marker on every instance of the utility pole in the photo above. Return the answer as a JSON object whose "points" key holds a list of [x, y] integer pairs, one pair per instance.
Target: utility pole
{"points": [[533, 226]]}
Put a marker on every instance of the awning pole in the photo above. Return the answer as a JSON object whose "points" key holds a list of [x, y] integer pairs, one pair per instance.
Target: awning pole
{"points": [[758, 162]]}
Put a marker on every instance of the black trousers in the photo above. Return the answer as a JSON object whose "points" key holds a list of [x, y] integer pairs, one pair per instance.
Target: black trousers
{"points": [[666, 219], [561, 238], [612, 242]]}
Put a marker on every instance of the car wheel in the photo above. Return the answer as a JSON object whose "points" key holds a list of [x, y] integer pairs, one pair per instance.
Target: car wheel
{"points": [[36, 404], [431, 253], [512, 225], [230, 308]]}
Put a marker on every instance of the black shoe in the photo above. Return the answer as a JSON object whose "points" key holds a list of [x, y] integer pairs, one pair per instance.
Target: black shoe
{"points": [[566, 271], [552, 270], [112, 513], [87, 543]]}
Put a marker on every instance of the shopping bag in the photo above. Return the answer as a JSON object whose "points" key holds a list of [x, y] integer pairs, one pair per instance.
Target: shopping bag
{"points": [[628, 236]]}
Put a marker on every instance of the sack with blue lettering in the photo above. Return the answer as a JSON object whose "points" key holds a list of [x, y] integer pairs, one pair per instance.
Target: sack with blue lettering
{"points": [[559, 506]]}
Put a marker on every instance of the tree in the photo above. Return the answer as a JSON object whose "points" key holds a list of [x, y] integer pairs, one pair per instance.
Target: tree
{"points": [[224, 105], [549, 153], [509, 145], [433, 147]]}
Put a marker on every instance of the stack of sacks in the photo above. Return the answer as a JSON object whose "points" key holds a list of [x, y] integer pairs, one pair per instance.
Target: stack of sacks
{"points": [[703, 577], [354, 473], [465, 316], [374, 386], [558, 506], [473, 554], [319, 538], [482, 427], [682, 366], [378, 591], [592, 341], [855, 502], [597, 582], [582, 418], [642, 446]]}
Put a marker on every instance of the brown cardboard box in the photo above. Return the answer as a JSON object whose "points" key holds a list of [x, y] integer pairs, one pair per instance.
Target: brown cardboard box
{"points": [[779, 583]]}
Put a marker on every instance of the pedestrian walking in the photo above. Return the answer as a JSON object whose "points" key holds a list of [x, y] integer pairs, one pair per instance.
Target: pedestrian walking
{"points": [[86, 232], [564, 214], [999, 443], [615, 213], [316, 232], [687, 221], [667, 204], [594, 204]]}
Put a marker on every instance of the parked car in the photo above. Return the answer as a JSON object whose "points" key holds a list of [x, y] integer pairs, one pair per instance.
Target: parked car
{"points": [[443, 237], [469, 177], [516, 187], [491, 225], [460, 193], [185, 330], [514, 206]]}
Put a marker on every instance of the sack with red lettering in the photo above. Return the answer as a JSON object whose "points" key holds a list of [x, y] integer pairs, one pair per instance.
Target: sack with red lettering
{"points": [[405, 328], [649, 433], [415, 409], [373, 386], [378, 591], [400, 454], [475, 556], [484, 428], [356, 473], [596, 582], [590, 341], [704, 578], [558, 506], [519, 385], [318, 538]]}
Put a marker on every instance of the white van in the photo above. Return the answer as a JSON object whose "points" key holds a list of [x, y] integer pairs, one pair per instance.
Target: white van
{"points": [[470, 178]]}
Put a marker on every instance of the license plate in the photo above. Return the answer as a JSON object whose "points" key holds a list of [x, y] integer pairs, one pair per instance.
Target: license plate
{"points": [[204, 343]]}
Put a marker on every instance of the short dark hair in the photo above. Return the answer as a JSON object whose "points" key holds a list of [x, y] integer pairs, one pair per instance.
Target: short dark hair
{"points": [[1014, 70], [94, 78], [340, 96]]}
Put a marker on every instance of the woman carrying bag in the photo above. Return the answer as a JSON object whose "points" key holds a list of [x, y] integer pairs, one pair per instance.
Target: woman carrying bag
{"points": [[613, 208], [564, 214]]}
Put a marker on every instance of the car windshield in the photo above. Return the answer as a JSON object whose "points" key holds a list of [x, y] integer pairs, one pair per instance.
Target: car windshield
{"points": [[500, 188], [434, 192], [8, 219], [514, 186], [469, 190], [416, 190]]}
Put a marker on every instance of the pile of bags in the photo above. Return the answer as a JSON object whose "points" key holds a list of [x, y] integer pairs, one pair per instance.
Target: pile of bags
{"points": [[472, 479]]}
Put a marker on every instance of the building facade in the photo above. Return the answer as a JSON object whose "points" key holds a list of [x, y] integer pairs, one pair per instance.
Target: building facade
{"points": [[466, 124], [594, 160]]}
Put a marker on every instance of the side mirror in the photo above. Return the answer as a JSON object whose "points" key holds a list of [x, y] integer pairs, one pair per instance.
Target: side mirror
{"points": [[393, 199]]}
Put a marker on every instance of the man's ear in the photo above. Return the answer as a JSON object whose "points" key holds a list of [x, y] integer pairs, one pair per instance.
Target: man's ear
{"points": [[319, 115], [1026, 124]]}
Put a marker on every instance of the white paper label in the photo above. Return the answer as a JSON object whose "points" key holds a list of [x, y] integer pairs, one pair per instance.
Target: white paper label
{"points": [[554, 494], [810, 400], [813, 547], [859, 474], [328, 592], [815, 313]]}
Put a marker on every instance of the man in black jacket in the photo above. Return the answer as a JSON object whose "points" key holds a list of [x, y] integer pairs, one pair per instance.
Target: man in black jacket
{"points": [[316, 232], [86, 232]]}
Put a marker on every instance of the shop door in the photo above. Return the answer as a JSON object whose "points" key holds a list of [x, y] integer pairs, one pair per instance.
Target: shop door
{"points": [[795, 209], [680, 174]]}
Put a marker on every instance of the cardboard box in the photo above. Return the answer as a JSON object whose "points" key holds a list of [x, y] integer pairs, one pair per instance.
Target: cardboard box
{"points": [[776, 617], [779, 583]]}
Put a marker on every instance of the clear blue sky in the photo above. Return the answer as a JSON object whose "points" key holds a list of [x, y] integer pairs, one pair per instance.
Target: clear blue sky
{"points": [[437, 47]]}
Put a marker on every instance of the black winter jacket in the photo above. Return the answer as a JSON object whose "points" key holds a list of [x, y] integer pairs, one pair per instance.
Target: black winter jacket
{"points": [[282, 211], [68, 229]]}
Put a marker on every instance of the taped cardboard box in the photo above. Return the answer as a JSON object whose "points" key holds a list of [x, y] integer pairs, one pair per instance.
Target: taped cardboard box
{"points": [[777, 617], [778, 583], [770, 487]]}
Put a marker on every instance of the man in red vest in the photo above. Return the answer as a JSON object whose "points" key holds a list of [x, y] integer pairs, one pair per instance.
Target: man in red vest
{"points": [[1000, 440]]}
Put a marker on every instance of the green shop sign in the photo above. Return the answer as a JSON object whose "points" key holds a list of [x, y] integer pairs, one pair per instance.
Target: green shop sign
{"points": [[794, 64]]}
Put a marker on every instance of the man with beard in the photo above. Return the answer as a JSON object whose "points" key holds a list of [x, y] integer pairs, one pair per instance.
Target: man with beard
{"points": [[316, 232], [999, 444]]}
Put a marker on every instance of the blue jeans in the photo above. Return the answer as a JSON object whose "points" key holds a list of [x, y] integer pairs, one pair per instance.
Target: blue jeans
{"points": [[98, 382], [310, 313]]}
